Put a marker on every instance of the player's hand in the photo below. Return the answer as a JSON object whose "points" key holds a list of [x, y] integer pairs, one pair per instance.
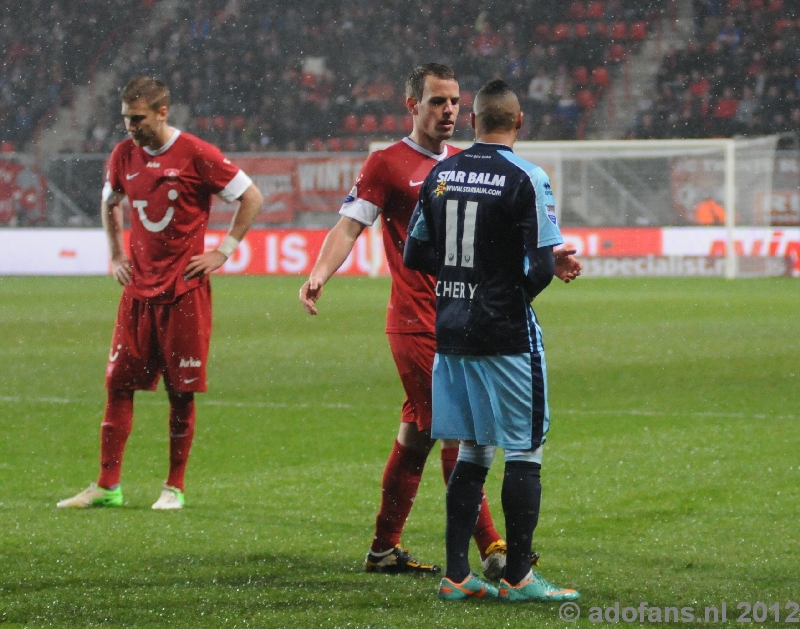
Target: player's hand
{"points": [[204, 264], [310, 292], [568, 267], [122, 270]]}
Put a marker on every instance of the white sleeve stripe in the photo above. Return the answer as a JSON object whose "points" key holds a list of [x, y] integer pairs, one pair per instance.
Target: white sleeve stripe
{"points": [[110, 195], [362, 211], [235, 187]]}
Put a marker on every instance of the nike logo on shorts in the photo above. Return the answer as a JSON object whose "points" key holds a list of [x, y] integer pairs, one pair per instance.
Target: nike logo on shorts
{"points": [[189, 380], [129, 177]]}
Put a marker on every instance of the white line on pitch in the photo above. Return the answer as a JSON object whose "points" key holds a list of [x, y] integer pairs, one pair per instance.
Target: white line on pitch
{"points": [[223, 403]]}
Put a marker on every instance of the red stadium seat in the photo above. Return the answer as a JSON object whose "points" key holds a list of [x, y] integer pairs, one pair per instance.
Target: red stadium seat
{"points": [[584, 99], [219, 122], [6, 146], [389, 123], [639, 31], [560, 31], [782, 25], [580, 75], [576, 11], [595, 10], [581, 29], [202, 123], [369, 124], [775, 6], [334, 144], [407, 123], [615, 53], [350, 123], [600, 76], [755, 5], [619, 30], [543, 32], [316, 145], [464, 122], [350, 143], [466, 100], [237, 122], [308, 79], [601, 29]]}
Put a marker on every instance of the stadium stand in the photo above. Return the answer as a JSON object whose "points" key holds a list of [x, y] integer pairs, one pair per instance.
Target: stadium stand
{"points": [[47, 48], [253, 76], [300, 78], [741, 75]]}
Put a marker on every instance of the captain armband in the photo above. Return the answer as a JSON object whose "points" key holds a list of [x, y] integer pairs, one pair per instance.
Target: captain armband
{"points": [[228, 246]]}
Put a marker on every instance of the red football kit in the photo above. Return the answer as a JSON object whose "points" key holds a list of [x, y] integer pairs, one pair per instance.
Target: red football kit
{"points": [[164, 320], [388, 185]]}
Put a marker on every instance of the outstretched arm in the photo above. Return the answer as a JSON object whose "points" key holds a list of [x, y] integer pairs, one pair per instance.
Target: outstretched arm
{"points": [[208, 262], [337, 246]]}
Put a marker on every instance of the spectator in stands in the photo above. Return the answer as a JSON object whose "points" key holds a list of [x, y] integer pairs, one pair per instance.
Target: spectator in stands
{"points": [[645, 129], [748, 107], [730, 35], [723, 124], [540, 93]]}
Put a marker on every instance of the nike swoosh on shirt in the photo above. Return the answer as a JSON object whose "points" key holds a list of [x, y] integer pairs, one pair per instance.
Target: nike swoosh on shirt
{"points": [[414, 184], [129, 177], [189, 380]]}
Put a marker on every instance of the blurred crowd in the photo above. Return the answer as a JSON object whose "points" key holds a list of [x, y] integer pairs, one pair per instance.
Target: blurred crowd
{"points": [[329, 74], [740, 76], [251, 75], [46, 48]]}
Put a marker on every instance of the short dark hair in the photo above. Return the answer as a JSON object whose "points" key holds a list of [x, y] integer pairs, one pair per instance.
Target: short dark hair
{"points": [[154, 92], [415, 83], [494, 118]]}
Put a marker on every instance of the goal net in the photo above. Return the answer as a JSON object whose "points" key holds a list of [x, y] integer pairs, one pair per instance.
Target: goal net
{"points": [[726, 207]]}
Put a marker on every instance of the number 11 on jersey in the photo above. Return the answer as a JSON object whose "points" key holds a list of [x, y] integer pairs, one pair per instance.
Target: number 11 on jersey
{"points": [[467, 237]]}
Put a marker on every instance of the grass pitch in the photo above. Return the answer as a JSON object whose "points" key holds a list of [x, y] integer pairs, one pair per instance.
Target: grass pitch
{"points": [[671, 473]]}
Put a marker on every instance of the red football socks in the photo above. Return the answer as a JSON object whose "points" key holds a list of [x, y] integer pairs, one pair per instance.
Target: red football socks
{"points": [[485, 534], [181, 432], [401, 479], [114, 432]]}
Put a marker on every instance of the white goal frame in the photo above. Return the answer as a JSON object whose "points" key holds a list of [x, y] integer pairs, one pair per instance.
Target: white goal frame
{"points": [[556, 153]]}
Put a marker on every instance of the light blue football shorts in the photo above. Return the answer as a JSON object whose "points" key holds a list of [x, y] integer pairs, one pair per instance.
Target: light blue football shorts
{"points": [[492, 400]]}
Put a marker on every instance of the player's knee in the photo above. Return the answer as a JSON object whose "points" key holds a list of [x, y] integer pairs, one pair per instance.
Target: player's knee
{"points": [[479, 455], [120, 395], [524, 456]]}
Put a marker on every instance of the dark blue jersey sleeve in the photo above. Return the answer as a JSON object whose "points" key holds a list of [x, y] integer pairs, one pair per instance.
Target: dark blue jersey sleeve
{"points": [[540, 267], [419, 253]]}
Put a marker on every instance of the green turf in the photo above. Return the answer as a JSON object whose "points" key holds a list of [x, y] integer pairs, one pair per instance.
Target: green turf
{"points": [[671, 474]]}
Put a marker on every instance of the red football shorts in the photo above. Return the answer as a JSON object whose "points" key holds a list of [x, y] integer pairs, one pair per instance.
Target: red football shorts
{"points": [[151, 339], [413, 355]]}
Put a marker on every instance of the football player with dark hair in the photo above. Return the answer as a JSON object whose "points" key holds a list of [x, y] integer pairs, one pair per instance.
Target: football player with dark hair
{"points": [[485, 228]]}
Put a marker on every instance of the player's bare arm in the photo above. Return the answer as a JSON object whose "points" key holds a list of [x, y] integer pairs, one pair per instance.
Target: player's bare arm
{"points": [[111, 214], [568, 267], [249, 206], [337, 246]]}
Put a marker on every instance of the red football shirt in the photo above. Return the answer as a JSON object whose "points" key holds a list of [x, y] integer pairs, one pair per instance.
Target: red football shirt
{"points": [[388, 184], [170, 195]]}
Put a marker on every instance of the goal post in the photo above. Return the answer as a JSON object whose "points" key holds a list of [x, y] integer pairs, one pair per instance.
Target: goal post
{"points": [[723, 206]]}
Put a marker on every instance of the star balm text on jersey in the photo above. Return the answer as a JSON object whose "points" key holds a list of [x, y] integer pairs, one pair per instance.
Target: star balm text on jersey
{"points": [[460, 176]]}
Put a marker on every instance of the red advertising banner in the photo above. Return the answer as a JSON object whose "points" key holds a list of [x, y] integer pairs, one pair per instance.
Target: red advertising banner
{"points": [[22, 195], [294, 184], [614, 241], [648, 250]]}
